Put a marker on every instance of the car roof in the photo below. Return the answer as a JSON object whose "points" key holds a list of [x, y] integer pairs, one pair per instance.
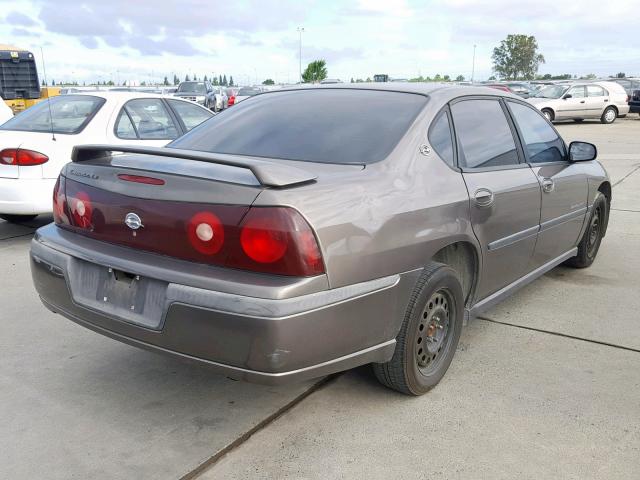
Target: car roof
{"points": [[441, 91], [123, 95]]}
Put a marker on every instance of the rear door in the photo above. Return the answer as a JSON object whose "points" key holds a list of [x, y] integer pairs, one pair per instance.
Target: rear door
{"points": [[504, 192], [597, 100], [563, 184]]}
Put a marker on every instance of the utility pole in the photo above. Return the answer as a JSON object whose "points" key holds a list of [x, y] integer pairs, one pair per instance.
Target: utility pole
{"points": [[473, 65], [300, 30]]}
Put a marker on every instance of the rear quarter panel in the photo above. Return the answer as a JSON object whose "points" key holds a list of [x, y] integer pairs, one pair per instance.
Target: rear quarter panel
{"points": [[390, 217]]}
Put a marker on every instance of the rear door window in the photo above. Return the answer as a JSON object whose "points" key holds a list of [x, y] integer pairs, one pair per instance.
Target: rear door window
{"points": [[484, 135], [540, 141], [151, 119], [441, 139], [595, 91], [190, 114]]}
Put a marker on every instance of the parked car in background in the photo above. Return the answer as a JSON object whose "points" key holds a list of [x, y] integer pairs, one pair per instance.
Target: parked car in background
{"points": [[5, 112], [246, 92], [634, 102], [632, 87], [198, 92], [221, 100], [292, 251], [519, 88], [579, 101], [231, 95], [33, 149]]}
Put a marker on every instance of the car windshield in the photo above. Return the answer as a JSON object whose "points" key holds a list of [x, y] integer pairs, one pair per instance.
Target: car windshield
{"points": [[248, 92], [191, 87], [552, 91], [345, 126], [60, 114]]}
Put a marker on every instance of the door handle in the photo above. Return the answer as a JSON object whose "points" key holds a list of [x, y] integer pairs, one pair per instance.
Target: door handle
{"points": [[582, 101], [606, 100], [548, 185], [483, 197]]}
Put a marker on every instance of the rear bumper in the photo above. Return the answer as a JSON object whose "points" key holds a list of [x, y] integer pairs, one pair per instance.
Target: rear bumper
{"points": [[634, 107], [26, 196], [262, 340]]}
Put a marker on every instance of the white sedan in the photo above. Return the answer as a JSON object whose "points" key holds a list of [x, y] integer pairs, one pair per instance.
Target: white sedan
{"points": [[35, 144]]}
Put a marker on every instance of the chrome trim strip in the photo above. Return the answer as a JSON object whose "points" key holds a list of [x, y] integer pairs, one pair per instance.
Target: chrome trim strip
{"points": [[511, 239], [554, 222], [271, 309], [504, 292]]}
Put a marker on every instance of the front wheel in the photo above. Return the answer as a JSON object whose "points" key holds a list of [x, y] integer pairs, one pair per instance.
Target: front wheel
{"points": [[17, 218], [609, 115], [590, 242], [429, 334], [549, 114]]}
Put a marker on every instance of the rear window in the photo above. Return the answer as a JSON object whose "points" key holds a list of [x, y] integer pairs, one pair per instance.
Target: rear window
{"points": [[314, 125], [69, 113], [191, 87]]}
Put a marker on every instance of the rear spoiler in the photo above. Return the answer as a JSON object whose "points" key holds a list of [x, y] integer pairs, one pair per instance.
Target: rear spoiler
{"points": [[268, 173]]}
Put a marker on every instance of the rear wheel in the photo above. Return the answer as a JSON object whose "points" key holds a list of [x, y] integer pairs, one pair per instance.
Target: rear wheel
{"points": [[609, 115], [429, 334], [17, 218], [590, 242]]}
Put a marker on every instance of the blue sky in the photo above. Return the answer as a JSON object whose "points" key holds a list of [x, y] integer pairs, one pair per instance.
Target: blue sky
{"points": [[257, 39]]}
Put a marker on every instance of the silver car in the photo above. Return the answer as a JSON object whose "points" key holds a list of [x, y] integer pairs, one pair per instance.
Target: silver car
{"points": [[579, 101], [347, 225]]}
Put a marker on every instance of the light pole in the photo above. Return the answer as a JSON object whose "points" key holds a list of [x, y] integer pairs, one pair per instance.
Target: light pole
{"points": [[473, 65], [300, 30]]}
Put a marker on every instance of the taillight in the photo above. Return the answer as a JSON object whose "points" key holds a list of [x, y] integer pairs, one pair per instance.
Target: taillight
{"points": [[232, 100], [60, 216], [81, 210], [276, 240], [22, 157]]}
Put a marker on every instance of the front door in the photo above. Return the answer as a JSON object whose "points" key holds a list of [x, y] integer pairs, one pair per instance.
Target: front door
{"points": [[504, 192], [574, 106], [563, 184]]}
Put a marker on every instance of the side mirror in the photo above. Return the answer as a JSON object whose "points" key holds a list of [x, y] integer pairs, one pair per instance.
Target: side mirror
{"points": [[582, 152], [568, 95]]}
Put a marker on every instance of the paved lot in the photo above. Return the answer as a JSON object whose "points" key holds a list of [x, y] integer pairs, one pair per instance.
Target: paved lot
{"points": [[553, 391]]}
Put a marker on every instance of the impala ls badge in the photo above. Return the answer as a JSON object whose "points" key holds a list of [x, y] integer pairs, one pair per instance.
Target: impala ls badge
{"points": [[133, 221]]}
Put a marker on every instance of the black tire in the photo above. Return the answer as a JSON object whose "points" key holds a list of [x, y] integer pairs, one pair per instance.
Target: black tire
{"points": [[549, 114], [590, 242], [436, 305], [17, 218], [607, 116]]}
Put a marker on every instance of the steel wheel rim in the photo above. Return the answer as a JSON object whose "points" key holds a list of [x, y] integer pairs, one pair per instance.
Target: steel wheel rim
{"points": [[609, 116], [548, 115], [435, 331], [594, 233]]}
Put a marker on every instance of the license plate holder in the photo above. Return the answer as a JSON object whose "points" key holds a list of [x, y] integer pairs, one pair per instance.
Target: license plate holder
{"points": [[118, 294]]}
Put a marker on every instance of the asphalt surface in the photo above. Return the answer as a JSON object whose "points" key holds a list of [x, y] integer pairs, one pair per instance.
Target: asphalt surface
{"points": [[545, 385]]}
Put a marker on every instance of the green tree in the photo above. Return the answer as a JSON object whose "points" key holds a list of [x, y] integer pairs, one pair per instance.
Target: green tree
{"points": [[316, 71], [268, 81], [176, 80], [352, 80], [517, 58], [492, 77], [220, 80], [214, 81], [186, 78], [591, 76], [620, 75], [166, 81], [460, 78], [205, 79], [230, 81], [368, 80], [446, 78], [437, 78], [224, 81]]}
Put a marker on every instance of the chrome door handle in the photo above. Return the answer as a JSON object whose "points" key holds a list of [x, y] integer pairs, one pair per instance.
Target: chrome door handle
{"points": [[483, 197], [582, 101], [548, 185]]}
